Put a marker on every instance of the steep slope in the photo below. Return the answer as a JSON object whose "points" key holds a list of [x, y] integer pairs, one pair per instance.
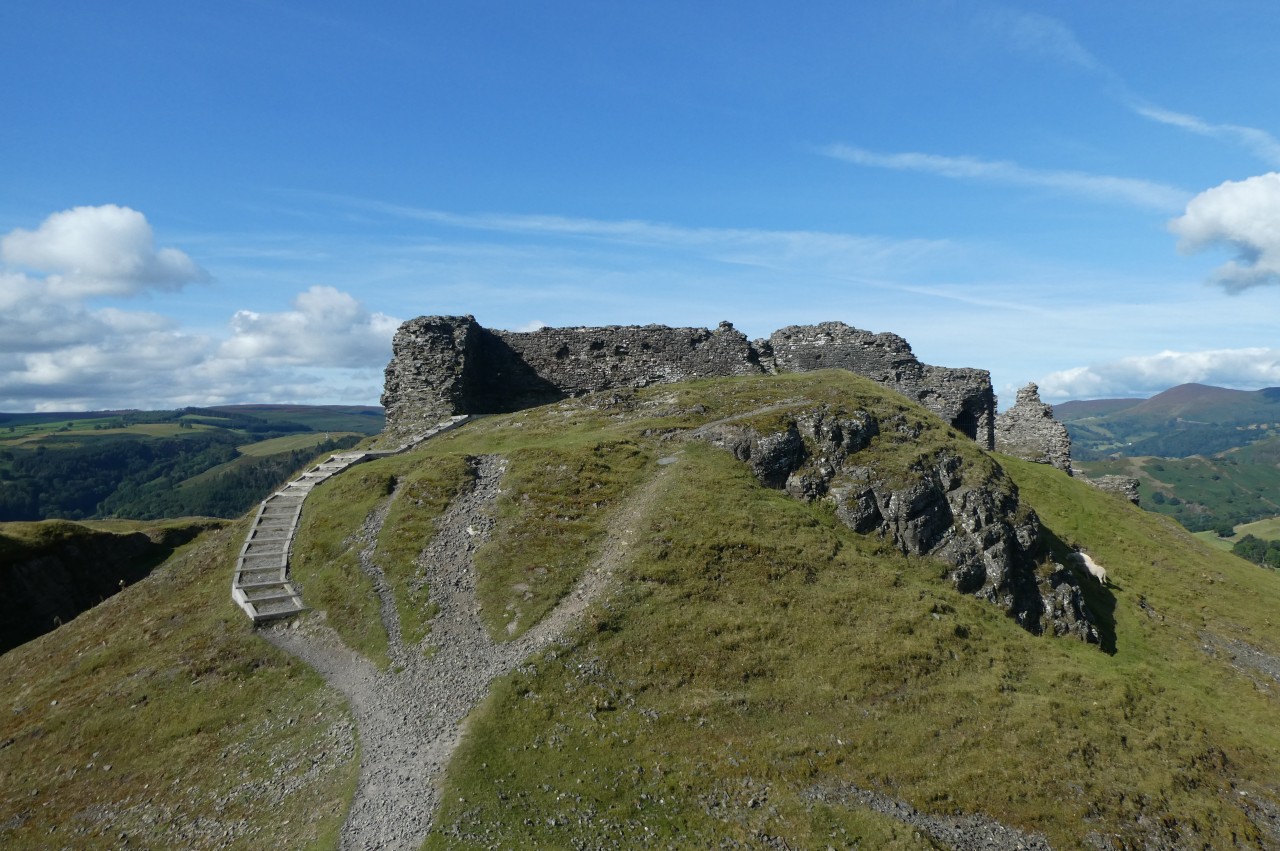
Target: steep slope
{"points": [[769, 663], [52, 571], [158, 719]]}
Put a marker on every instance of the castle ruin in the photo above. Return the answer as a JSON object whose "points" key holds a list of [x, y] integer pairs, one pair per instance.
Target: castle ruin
{"points": [[447, 365]]}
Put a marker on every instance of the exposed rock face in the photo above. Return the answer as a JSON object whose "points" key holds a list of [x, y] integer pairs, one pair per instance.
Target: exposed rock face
{"points": [[960, 510], [962, 397], [1029, 431], [445, 365]]}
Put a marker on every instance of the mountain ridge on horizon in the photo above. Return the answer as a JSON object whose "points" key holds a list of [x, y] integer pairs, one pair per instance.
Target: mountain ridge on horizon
{"points": [[1189, 394]]}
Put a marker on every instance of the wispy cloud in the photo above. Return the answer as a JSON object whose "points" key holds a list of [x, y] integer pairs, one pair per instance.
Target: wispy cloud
{"points": [[642, 232], [1046, 37], [851, 257], [1042, 36], [1258, 142], [1099, 187]]}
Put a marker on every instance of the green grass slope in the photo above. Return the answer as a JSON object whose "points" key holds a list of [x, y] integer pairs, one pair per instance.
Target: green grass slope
{"points": [[764, 654], [159, 720], [755, 663]]}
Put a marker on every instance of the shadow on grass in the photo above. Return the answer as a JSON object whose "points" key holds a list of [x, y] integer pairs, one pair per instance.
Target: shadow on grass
{"points": [[1099, 599]]}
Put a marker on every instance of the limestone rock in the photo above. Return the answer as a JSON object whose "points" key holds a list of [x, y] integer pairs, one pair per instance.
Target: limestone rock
{"points": [[962, 513], [1029, 431]]}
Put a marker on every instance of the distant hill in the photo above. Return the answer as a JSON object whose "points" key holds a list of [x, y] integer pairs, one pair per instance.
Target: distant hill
{"points": [[1082, 409], [1230, 488], [160, 464], [365, 419], [1190, 419]]}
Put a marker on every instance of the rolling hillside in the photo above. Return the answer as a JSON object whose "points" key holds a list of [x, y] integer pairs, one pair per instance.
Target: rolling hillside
{"points": [[747, 670], [1190, 419], [163, 464], [1228, 489]]}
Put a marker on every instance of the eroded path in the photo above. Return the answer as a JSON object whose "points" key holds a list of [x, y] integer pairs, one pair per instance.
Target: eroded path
{"points": [[410, 717]]}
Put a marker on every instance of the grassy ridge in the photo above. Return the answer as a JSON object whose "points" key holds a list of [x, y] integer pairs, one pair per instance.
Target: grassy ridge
{"points": [[759, 651], [755, 657], [158, 719]]}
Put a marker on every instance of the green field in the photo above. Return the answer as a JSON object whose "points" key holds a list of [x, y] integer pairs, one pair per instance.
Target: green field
{"points": [[292, 442], [1267, 530], [150, 464]]}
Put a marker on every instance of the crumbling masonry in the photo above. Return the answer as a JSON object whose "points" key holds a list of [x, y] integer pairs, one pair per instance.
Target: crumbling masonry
{"points": [[447, 365]]}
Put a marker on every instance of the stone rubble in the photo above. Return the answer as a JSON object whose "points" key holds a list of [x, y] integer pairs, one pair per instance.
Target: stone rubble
{"points": [[970, 832]]}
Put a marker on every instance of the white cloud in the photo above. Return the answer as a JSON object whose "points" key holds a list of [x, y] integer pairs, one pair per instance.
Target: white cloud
{"points": [[96, 251], [63, 356], [58, 352], [1146, 375], [1100, 187], [326, 328], [1244, 216]]}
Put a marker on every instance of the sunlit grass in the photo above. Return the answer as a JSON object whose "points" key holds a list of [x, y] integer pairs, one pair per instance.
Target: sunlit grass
{"points": [[757, 650], [159, 715]]}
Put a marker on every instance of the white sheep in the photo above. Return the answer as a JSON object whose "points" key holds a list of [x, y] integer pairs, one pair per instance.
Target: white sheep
{"points": [[1096, 570]]}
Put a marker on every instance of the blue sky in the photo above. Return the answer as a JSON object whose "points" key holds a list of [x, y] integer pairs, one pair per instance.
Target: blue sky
{"points": [[240, 201]]}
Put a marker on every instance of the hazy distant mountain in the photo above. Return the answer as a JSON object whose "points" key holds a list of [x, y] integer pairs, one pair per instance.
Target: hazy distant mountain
{"points": [[1190, 419]]}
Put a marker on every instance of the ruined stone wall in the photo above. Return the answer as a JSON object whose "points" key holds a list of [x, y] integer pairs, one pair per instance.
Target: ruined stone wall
{"points": [[962, 397], [444, 365], [1029, 431], [586, 360]]}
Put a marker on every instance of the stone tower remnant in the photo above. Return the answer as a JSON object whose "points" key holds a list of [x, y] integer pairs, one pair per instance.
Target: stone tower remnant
{"points": [[1029, 431]]}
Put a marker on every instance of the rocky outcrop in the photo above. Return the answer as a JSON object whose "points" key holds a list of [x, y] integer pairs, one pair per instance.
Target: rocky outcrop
{"points": [[1029, 431], [445, 365], [962, 397], [1125, 486], [956, 506]]}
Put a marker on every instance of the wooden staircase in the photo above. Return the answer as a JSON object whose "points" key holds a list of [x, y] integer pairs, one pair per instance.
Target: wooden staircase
{"points": [[261, 584]]}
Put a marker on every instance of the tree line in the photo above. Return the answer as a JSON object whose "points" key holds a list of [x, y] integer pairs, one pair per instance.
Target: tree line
{"points": [[143, 477]]}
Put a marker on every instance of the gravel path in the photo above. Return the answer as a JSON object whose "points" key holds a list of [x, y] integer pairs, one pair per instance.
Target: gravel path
{"points": [[962, 833], [411, 717]]}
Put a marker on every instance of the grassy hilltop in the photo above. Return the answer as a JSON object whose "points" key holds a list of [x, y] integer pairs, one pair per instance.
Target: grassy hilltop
{"points": [[756, 670]]}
